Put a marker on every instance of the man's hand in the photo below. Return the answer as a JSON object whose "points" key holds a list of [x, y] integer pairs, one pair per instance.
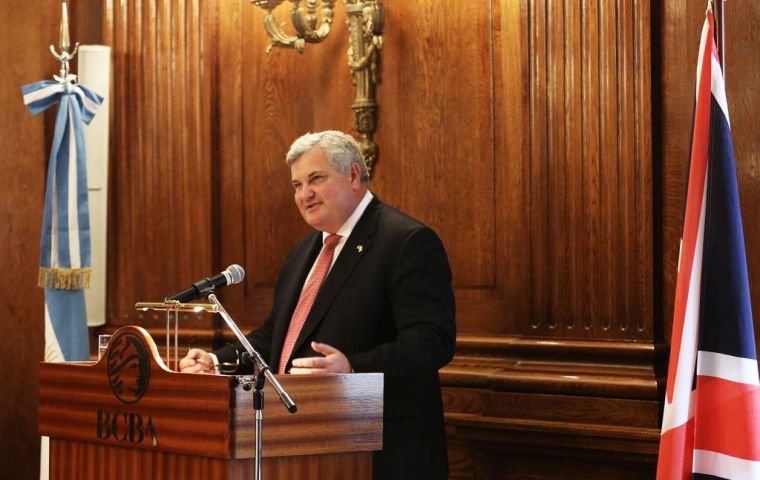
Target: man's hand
{"points": [[197, 361], [333, 361]]}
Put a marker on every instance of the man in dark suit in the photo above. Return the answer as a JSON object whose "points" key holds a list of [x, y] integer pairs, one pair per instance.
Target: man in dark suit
{"points": [[369, 291]]}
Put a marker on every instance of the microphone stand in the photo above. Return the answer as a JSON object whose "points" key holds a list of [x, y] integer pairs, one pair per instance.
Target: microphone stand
{"points": [[261, 372]]}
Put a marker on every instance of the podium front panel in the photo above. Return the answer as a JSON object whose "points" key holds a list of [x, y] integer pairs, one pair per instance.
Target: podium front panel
{"points": [[128, 412]]}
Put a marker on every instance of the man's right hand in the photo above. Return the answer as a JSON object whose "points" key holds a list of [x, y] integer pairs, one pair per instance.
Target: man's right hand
{"points": [[197, 361]]}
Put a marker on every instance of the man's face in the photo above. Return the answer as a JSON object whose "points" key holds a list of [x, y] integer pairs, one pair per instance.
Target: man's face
{"points": [[324, 197]]}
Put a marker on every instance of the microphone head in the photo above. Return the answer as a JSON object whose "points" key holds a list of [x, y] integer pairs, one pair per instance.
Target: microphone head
{"points": [[234, 273]]}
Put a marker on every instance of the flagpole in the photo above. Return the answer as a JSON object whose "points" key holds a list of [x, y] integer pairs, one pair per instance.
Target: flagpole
{"points": [[720, 28]]}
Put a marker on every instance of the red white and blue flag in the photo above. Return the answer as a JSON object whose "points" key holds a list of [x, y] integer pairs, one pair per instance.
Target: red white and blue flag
{"points": [[711, 420]]}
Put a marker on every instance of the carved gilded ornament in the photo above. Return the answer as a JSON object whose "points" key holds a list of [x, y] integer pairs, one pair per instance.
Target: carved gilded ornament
{"points": [[365, 25]]}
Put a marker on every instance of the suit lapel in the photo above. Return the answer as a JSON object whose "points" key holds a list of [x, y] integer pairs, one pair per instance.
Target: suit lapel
{"points": [[355, 248], [301, 264]]}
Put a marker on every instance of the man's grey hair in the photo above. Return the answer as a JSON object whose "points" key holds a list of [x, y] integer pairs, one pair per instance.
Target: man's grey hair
{"points": [[341, 149]]}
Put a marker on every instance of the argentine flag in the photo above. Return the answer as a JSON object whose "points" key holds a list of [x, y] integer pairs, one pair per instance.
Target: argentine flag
{"points": [[65, 240]]}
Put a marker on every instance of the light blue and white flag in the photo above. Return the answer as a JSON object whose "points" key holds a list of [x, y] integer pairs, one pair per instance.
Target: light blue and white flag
{"points": [[65, 241]]}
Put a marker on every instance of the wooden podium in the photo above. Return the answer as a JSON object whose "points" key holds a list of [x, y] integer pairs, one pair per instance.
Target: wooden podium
{"points": [[129, 417]]}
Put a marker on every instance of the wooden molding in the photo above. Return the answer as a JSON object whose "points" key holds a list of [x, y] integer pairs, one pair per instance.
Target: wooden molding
{"points": [[577, 367]]}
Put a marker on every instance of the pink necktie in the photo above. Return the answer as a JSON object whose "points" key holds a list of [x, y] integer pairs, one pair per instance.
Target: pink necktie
{"points": [[307, 298]]}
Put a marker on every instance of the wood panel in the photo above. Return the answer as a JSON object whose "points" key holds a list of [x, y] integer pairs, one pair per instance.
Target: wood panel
{"points": [[487, 460], [587, 188], [572, 193], [161, 217], [444, 177], [72, 460], [336, 413], [622, 370], [574, 404], [25, 144], [88, 461]]}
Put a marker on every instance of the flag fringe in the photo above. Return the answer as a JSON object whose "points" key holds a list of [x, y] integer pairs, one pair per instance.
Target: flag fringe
{"points": [[64, 278]]}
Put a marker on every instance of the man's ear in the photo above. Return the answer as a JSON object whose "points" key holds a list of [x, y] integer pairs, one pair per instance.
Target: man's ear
{"points": [[356, 173]]}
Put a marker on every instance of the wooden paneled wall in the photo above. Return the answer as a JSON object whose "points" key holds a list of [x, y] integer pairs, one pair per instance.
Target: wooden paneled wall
{"points": [[521, 131], [161, 215], [534, 136], [535, 169], [546, 141], [24, 141], [588, 178]]}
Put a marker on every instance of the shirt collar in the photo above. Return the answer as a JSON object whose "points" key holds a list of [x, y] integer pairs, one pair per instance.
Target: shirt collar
{"points": [[345, 230]]}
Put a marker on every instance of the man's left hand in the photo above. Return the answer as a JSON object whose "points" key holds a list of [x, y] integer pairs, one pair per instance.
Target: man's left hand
{"points": [[333, 361]]}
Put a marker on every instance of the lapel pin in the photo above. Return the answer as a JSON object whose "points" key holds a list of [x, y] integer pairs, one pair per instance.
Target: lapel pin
{"points": [[359, 248]]}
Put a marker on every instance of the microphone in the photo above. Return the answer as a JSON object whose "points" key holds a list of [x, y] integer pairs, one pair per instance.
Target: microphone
{"points": [[233, 274]]}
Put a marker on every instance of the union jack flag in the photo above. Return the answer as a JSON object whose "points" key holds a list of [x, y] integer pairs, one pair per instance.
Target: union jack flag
{"points": [[711, 421]]}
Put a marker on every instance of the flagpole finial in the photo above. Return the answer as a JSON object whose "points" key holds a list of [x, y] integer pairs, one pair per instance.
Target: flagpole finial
{"points": [[65, 41], [65, 45]]}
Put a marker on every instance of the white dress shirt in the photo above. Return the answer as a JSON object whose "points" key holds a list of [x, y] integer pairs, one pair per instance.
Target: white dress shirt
{"points": [[344, 231]]}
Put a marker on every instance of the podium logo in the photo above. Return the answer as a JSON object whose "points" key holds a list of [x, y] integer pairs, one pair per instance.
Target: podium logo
{"points": [[125, 427], [128, 368]]}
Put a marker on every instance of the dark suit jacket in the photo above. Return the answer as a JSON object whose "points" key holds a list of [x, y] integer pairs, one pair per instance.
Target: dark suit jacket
{"points": [[387, 304]]}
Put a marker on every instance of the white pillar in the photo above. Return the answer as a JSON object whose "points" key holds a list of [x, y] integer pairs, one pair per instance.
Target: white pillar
{"points": [[95, 73]]}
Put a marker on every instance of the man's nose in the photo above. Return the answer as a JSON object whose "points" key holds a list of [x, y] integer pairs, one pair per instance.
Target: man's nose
{"points": [[306, 192]]}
